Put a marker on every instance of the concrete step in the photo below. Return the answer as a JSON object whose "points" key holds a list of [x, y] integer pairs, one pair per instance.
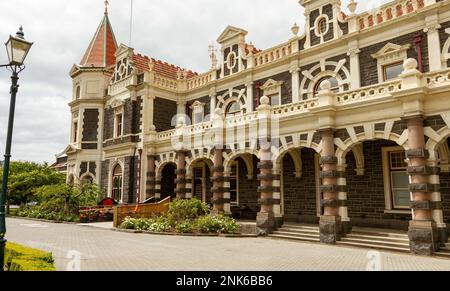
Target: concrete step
{"points": [[379, 238], [443, 255], [301, 226], [296, 237], [378, 233], [299, 230], [445, 250], [374, 246], [288, 233], [375, 242]]}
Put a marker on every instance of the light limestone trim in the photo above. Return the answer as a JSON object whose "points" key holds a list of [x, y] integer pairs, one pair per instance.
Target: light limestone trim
{"points": [[390, 54]]}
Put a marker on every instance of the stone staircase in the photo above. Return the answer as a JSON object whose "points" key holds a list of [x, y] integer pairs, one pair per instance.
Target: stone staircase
{"points": [[298, 232], [444, 252], [380, 239]]}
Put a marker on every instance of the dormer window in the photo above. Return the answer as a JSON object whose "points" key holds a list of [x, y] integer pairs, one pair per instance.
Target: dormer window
{"points": [[231, 62], [390, 61]]}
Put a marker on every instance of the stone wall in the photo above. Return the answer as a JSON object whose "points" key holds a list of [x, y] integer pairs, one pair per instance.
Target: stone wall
{"points": [[366, 198], [445, 192], [300, 202], [369, 65], [90, 128], [164, 111]]}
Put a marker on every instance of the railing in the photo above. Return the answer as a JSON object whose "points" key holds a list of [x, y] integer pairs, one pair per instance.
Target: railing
{"points": [[200, 127], [369, 93], [165, 83], [437, 79], [273, 54], [200, 81], [166, 134], [295, 108], [241, 119], [388, 12], [120, 86], [139, 211]]}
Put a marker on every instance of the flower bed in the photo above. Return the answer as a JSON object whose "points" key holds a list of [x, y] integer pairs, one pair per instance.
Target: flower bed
{"points": [[20, 258], [184, 217]]}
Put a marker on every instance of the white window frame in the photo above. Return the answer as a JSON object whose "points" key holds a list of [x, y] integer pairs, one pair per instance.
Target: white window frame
{"points": [[116, 115], [390, 54], [388, 195], [272, 88], [198, 108], [236, 203], [317, 31]]}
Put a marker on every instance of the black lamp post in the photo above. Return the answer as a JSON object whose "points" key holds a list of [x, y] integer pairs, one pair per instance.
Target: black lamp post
{"points": [[17, 48]]}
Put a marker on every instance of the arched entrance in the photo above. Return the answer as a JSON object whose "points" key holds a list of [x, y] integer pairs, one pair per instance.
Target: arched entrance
{"points": [[199, 171], [168, 177]]}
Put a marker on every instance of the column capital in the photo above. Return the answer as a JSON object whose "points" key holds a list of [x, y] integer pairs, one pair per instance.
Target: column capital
{"points": [[414, 119], [326, 132]]}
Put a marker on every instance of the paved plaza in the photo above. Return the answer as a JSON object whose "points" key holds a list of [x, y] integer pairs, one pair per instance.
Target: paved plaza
{"points": [[104, 249]]}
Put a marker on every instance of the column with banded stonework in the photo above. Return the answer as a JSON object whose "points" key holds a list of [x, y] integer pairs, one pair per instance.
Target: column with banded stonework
{"points": [[218, 190], [277, 198], [343, 208], [423, 233], [330, 221], [181, 181], [436, 201], [265, 221], [151, 177]]}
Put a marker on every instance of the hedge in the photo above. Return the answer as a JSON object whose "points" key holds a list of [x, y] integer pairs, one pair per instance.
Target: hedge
{"points": [[20, 258]]}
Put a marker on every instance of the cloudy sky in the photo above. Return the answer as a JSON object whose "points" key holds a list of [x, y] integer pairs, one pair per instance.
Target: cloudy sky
{"points": [[175, 31]]}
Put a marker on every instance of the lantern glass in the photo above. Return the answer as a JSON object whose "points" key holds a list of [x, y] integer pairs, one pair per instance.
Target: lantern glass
{"points": [[17, 50]]}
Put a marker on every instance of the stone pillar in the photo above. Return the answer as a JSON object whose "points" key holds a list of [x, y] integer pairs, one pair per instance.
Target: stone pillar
{"points": [[295, 83], [330, 221], [434, 50], [265, 221], [218, 179], [277, 198], [422, 229], [343, 209], [355, 79], [151, 177], [250, 96], [436, 201], [181, 175]]}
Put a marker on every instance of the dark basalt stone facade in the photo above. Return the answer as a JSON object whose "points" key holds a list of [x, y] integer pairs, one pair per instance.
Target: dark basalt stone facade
{"points": [[164, 111]]}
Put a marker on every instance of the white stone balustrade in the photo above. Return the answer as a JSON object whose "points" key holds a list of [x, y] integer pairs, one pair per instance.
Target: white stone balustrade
{"points": [[273, 54]]}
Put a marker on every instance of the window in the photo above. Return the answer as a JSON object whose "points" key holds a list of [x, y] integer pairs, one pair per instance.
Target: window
{"points": [[197, 112], [119, 125], [334, 85], [275, 100], [233, 109], [234, 184], [392, 71], [117, 183], [322, 26], [397, 180], [231, 63], [75, 132], [78, 93]]}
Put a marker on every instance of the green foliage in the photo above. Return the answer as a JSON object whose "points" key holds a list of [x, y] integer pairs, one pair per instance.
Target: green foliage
{"points": [[20, 258], [26, 177], [184, 216], [217, 224], [188, 209]]}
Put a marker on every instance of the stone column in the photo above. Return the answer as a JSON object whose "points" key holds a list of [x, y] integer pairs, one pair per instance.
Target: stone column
{"points": [[277, 198], [330, 221], [151, 177], [218, 180], [422, 229], [436, 201], [343, 209], [250, 98], [295, 83], [434, 50], [353, 53], [265, 221], [181, 175]]}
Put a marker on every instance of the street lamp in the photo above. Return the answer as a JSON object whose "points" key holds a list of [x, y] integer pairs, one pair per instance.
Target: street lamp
{"points": [[17, 48]]}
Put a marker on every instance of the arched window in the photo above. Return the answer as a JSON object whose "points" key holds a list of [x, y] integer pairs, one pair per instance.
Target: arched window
{"points": [[88, 179], [117, 183], [234, 108], [78, 93], [333, 81]]}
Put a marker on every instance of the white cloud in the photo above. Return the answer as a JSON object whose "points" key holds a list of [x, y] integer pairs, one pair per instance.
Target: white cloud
{"points": [[176, 31]]}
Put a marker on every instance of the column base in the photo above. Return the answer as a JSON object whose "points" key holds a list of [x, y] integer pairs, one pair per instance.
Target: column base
{"points": [[265, 223], [279, 221], [423, 238], [443, 235], [347, 227], [330, 229]]}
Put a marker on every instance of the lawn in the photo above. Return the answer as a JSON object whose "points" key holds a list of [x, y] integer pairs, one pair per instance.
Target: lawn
{"points": [[21, 258]]}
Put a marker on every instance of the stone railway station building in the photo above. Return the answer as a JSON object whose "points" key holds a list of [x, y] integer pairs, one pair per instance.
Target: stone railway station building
{"points": [[356, 106]]}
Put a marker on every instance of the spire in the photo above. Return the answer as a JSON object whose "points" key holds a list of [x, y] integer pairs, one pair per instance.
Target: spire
{"points": [[102, 48]]}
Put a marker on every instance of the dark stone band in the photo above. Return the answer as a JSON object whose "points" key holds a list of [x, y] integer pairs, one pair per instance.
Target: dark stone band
{"points": [[268, 189], [269, 201], [220, 201], [217, 169], [265, 165], [426, 188], [180, 172], [426, 205], [333, 188], [181, 181], [219, 179], [328, 160], [268, 177], [332, 174], [183, 191], [219, 190], [424, 170], [417, 153], [330, 203], [151, 174]]}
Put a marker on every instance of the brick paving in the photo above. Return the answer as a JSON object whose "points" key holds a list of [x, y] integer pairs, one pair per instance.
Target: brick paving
{"points": [[103, 249]]}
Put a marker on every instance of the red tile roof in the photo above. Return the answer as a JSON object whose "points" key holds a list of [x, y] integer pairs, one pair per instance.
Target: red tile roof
{"points": [[102, 49], [255, 50], [162, 68]]}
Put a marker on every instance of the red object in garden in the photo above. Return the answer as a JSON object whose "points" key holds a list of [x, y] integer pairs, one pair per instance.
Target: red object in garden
{"points": [[107, 202]]}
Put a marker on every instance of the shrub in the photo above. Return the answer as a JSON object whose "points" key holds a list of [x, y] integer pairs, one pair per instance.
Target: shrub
{"points": [[160, 224], [186, 226], [20, 258], [189, 209], [128, 223], [217, 224]]}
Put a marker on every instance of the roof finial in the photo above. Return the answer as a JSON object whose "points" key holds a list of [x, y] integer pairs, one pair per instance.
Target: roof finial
{"points": [[106, 6]]}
